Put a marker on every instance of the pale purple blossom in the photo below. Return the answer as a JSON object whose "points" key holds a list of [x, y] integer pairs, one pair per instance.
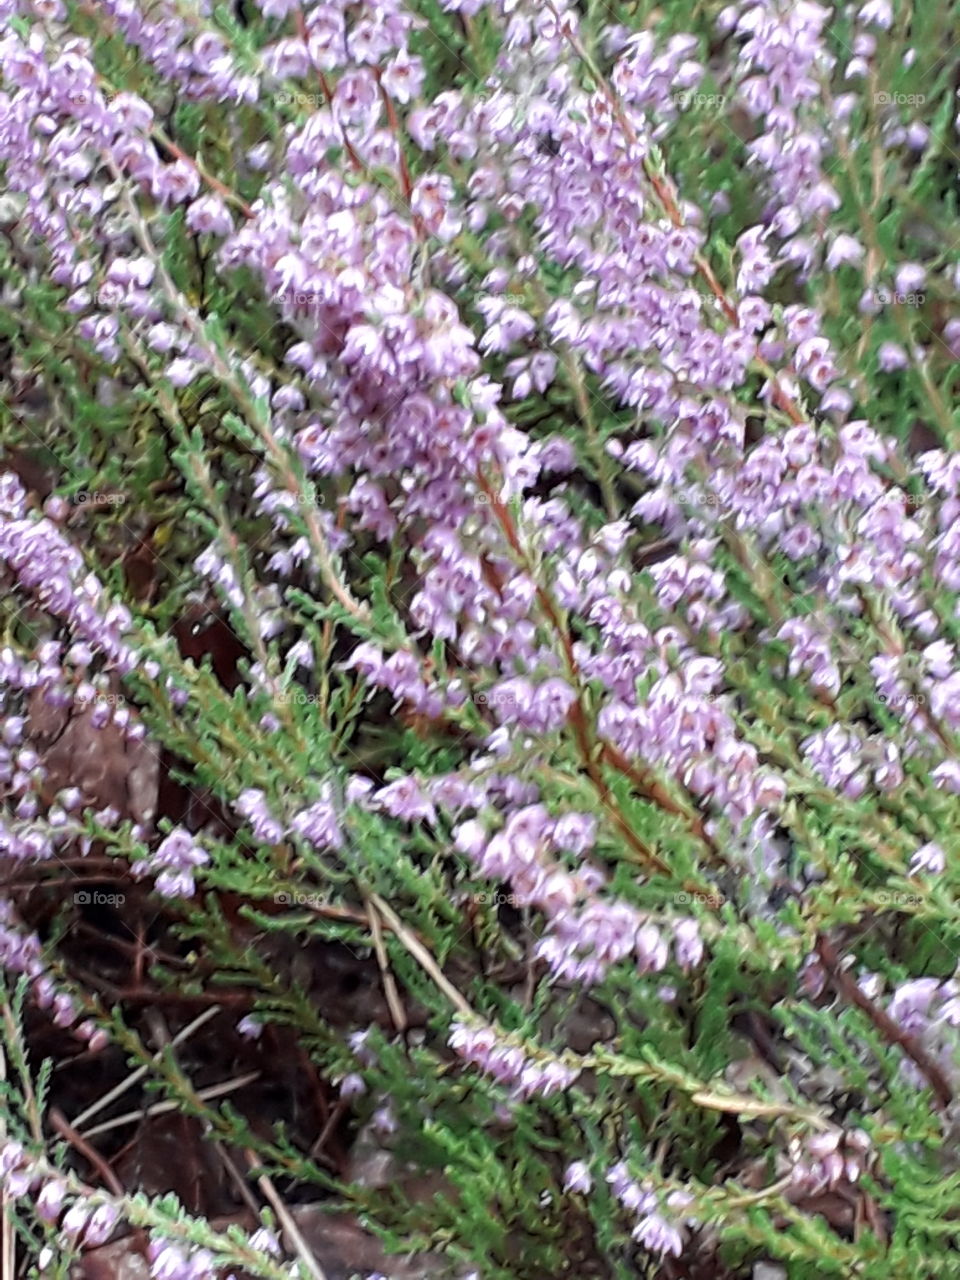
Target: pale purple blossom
{"points": [[929, 859]]}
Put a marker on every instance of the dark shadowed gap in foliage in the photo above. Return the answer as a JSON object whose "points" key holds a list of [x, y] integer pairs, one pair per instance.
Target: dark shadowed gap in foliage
{"points": [[201, 633], [34, 468]]}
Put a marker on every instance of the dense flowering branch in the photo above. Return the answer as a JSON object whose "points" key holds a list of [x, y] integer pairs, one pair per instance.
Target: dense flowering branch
{"points": [[553, 412]]}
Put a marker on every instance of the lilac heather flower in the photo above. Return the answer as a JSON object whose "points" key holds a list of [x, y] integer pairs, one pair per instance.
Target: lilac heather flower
{"points": [[582, 944], [912, 1002], [479, 1045], [541, 708], [891, 356], [53, 570], [471, 837], [12, 1156], [101, 1225], [163, 337], [319, 825], [182, 371], [836, 755], [947, 776], [951, 336], [19, 952], [287, 59], [209, 215], [877, 13], [475, 1043], [627, 1190], [536, 373], [945, 706], [176, 182], [173, 863], [403, 77], [825, 1159], [576, 832], [654, 1233], [545, 1078], [651, 949], [844, 249], [929, 859], [75, 1220], [358, 789], [169, 1261], [352, 1086], [687, 943], [276, 8], [252, 805], [578, 1178], [653, 1229], [384, 1121], [358, 1042], [51, 1199], [404, 799], [178, 849], [757, 267], [811, 653], [96, 1037], [265, 1241], [175, 883], [432, 200], [910, 277]]}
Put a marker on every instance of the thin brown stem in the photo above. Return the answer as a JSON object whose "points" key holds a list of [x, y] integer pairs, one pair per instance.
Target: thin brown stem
{"points": [[891, 1032]]}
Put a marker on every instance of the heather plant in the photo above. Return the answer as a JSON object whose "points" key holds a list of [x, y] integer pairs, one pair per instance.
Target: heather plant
{"points": [[480, 538]]}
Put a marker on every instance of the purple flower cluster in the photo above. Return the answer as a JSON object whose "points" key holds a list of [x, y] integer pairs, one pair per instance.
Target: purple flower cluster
{"points": [[191, 55], [753, 625], [318, 824], [23, 953], [38, 696], [822, 1160], [782, 57], [48, 566], [84, 137], [170, 1261], [586, 933], [658, 1230], [87, 1220], [83, 1223], [399, 372], [173, 863], [481, 1047], [929, 1009]]}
